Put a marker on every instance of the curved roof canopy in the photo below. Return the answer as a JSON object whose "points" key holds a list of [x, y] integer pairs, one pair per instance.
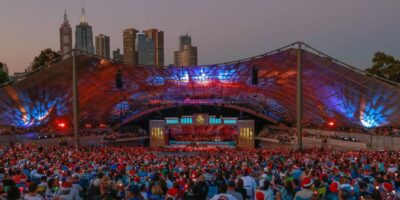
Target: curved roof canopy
{"points": [[332, 90]]}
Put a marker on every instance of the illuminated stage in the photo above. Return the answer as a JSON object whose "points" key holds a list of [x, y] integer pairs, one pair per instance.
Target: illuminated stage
{"points": [[332, 91], [202, 131]]}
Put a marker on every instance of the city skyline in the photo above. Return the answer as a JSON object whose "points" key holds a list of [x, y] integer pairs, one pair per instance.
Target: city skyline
{"points": [[348, 31]]}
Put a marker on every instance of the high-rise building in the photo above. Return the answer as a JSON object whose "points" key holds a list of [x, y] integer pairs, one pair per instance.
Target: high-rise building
{"points": [[158, 39], [184, 40], [103, 46], [65, 35], [129, 43], [187, 54], [84, 35], [145, 50], [118, 56]]}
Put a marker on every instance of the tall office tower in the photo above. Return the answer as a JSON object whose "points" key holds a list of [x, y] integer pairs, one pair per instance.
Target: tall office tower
{"points": [[187, 54], [84, 35], [65, 35], [118, 56], [158, 39], [145, 50], [185, 40], [103, 46], [129, 43]]}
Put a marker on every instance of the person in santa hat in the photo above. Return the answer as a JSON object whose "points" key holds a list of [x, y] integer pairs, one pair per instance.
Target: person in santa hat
{"points": [[333, 193], [306, 193], [136, 181], [265, 192], [172, 193], [65, 192], [387, 192]]}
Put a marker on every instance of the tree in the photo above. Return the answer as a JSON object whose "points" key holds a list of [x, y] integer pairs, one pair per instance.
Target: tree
{"points": [[385, 66], [3, 75], [45, 57]]}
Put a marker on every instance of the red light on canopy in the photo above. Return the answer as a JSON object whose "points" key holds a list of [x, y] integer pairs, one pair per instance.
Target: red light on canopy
{"points": [[61, 124], [331, 123]]}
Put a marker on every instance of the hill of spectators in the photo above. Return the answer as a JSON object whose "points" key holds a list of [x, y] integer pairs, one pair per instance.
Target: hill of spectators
{"points": [[54, 172]]}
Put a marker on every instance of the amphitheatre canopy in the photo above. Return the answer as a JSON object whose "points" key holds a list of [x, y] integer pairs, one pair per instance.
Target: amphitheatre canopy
{"points": [[332, 91]]}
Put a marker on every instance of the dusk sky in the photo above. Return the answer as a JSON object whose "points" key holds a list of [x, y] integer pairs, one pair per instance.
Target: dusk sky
{"points": [[223, 30]]}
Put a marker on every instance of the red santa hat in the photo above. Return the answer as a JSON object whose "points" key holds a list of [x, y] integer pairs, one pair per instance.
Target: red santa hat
{"points": [[66, 186], [260, 195], [136, 179], [172, 192], [120, 167], [387, 187], [307, 182], [334, 187], [132, 172]]}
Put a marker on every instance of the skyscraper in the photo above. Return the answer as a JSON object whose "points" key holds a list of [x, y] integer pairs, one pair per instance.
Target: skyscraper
{"points": [[103, 46], [187, 54], [84, 35], [129, 43], [65, 35], [118, 56], [145, 50], [184, 40], [158, 39]]}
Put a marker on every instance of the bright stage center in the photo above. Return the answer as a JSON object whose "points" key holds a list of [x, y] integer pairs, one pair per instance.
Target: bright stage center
{"points": [[202, 131]]}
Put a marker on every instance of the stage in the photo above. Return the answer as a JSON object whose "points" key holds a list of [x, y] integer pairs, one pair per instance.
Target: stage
{"points": [[202, 131]]}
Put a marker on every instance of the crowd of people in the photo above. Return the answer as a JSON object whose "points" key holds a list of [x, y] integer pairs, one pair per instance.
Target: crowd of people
{"points": [[201, 133], [49, 136], [332, 137], [287, 135], [283, 135], [115, 136], [386, 131], [54, 129], [23, 130], [135, 173]]}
